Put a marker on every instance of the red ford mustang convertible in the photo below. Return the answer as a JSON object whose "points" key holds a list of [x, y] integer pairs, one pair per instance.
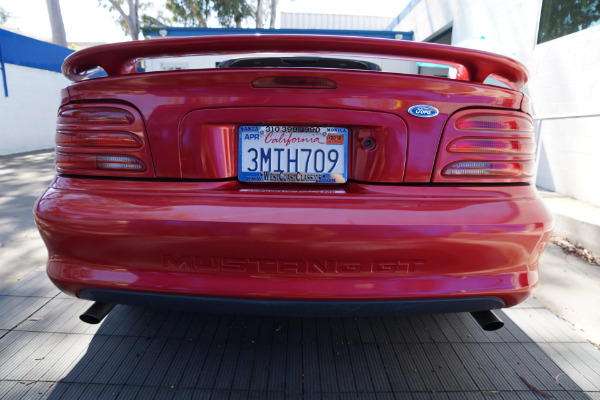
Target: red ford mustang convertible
{"points": [[300, 179]]}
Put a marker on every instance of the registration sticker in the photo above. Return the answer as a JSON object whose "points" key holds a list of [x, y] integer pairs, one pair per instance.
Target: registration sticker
{"points": [[293, 154]]}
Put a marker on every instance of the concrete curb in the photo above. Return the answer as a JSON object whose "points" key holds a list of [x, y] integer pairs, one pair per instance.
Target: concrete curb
{"points": [[575, 220]]}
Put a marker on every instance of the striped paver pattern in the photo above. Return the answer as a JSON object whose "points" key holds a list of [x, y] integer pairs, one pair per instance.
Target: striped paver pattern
{"points": [[137, 353]]}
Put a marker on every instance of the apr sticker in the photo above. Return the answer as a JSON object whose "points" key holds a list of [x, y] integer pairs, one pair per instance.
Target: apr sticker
{"points": [[423, 111]]}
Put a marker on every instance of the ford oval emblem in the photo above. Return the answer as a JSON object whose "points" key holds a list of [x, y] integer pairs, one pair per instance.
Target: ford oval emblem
{"points": [[423, 111]]}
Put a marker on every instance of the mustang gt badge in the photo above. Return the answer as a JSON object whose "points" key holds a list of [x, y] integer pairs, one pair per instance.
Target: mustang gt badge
{"points": [[423, 111]]}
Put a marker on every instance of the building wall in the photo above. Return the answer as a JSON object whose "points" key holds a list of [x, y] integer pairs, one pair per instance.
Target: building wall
{"points": [[428, 17], [566, 91], [31, 70], [29, 112], [508, 26], [332, 21], [564, 86]]}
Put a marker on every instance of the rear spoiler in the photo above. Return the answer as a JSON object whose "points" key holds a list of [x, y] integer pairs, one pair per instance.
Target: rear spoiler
{"points": [[120, 58]]}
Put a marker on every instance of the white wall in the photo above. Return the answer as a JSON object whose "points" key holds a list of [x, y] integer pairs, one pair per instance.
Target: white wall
{"points": [[28, 114], [509, 26], [290, 20], [566, 91]]}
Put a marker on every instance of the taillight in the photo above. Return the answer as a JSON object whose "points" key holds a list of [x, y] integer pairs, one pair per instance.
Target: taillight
{"points": [[494, 122], [492, 145], [489, 169], [487, 146], [98, 162], [102, 140], [96, 115], [96, 139]]}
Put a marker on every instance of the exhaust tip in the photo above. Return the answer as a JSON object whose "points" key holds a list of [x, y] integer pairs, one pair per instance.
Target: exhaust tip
{"points": [[488, 320], [96, 313], [89, 319]]}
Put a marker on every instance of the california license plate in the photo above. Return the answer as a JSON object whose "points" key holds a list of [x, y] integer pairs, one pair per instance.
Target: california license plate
{"points": [[293, 154]]}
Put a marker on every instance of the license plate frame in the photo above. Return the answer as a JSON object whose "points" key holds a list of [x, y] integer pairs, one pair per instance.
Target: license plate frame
{"points": [[293, 154]]}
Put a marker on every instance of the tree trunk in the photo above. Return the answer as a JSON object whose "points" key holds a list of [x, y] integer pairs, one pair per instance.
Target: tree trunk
{"points": [[132, 19], [259, 13], [59, 36], [273, 13]]}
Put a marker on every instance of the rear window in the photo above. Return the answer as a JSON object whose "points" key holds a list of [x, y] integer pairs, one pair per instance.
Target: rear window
{"points": [[368, 64]]}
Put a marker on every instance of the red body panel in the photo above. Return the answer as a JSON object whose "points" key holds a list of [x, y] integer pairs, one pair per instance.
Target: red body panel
{"points": [[357, 242], [398, 229], [164, 99], [209, 140]]}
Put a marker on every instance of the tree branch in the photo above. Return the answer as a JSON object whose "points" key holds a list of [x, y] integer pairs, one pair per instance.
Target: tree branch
{"points": [[119, 9], [131, 19]]}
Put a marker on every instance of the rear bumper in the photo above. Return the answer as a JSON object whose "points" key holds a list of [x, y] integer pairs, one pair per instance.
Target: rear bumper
{"points": [[292, 308], [351, 243]]}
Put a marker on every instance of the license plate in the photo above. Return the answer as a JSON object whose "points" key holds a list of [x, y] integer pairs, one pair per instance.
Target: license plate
{"points": [[293, 154]]}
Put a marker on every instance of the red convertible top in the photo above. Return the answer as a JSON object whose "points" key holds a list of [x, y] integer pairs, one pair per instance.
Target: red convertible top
{"points": [[120, 58]]}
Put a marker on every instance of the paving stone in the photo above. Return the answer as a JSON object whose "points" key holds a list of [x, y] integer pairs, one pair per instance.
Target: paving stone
{"points": [[138, 353]]}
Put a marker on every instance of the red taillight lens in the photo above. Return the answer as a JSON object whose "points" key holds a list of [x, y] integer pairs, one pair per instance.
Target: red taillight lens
{"points": [[487, 146], [490, 169], [98, 162], [96, 115], [492, 145], [75, 161], [102, 140], [96, 139], [494, 122], [299, 82]]}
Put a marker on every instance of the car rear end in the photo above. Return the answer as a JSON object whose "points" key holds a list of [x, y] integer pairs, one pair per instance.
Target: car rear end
{"points": [[283, 190]]}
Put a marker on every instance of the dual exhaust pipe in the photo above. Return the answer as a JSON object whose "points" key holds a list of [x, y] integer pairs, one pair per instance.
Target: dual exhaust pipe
{"points": [[488, 320], [96, 313]]}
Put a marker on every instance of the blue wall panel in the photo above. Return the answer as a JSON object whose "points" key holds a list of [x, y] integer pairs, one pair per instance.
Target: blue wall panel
{"points": [[180, 31], [22, 50]]}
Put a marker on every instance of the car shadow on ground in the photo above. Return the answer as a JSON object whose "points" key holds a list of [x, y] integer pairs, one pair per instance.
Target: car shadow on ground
{"points": [[139, 353]]}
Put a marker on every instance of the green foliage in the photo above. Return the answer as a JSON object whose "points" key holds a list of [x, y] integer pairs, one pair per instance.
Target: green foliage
{"points": [[193, 13], [562, 17], [152, 22], [4, 15], [231, 13], [190, 12]]}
